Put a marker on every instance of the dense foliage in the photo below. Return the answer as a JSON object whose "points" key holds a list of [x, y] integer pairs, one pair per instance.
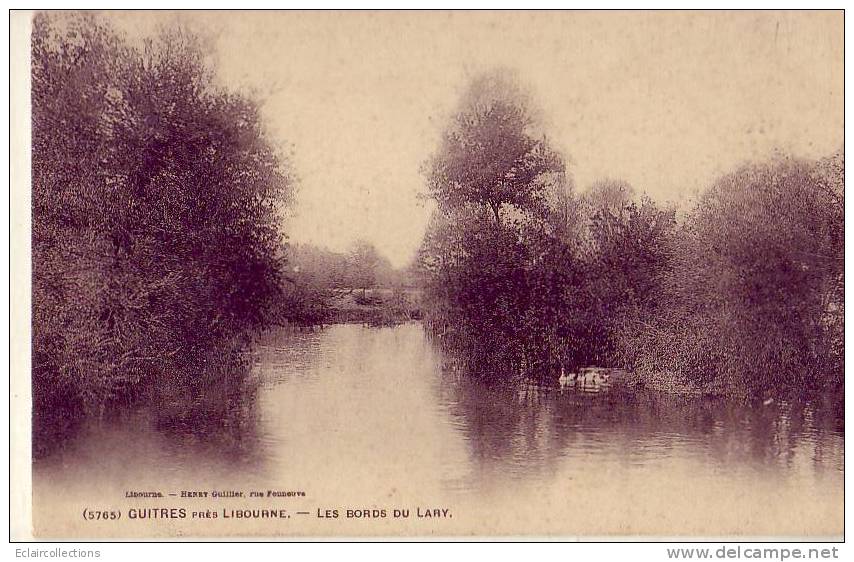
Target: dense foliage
{"points": [[754, 297], [523, 275], [156, 252]]}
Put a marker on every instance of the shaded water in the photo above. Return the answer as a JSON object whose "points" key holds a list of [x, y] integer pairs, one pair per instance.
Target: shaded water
{"points": [[359, 417]]}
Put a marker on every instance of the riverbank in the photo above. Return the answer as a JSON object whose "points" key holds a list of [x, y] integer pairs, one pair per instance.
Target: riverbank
{"points": [[377, 307], [667, 383]]}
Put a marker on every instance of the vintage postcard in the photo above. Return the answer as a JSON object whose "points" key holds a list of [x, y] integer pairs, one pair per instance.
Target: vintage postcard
{"points": [[427, 274]]}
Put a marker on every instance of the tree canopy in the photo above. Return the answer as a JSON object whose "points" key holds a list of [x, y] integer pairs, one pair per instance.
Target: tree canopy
{"points": [[492, 156]]}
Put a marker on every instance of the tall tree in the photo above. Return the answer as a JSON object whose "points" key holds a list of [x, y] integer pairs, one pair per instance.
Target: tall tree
{"points": [[497, 184], [492, 156]]}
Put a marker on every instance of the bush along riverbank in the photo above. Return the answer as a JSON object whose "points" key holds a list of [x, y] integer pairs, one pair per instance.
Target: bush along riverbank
{"points": [[740, 293], [156, 248]]}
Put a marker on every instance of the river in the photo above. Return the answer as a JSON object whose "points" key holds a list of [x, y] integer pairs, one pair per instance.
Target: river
{"points": [[361, 418]]}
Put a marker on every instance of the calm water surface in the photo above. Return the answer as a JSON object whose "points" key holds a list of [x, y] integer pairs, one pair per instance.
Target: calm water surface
{"points": [[360, 417]]}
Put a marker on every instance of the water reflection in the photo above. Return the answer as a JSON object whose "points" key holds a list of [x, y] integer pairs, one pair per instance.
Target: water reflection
{"points": [[524, 427], [369, 416]]}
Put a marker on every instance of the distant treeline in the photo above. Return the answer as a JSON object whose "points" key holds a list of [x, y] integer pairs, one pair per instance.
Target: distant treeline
{"points": [[742, 294], [321, 279], [155, 236], [361, 267]]}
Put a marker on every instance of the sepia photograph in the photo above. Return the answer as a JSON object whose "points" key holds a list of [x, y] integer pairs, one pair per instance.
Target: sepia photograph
{"points": [[541, 275]]}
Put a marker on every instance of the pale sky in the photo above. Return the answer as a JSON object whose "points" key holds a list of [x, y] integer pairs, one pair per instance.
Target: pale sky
{"points": [[664, 100]]}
